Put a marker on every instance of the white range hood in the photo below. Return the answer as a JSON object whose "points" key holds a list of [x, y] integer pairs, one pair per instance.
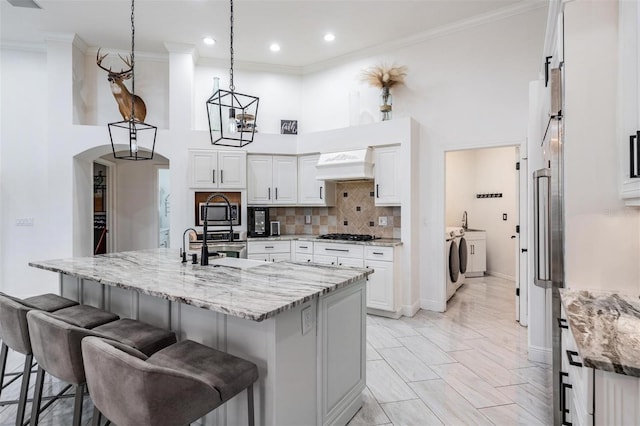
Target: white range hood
{"points": [[346, 165]]}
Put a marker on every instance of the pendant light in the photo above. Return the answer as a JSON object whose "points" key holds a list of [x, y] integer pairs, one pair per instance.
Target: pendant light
{"points": [[232, 115], [139, 136]]}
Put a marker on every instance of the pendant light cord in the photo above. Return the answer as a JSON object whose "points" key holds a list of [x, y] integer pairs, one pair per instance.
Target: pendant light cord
{"points": [[231, 86], [133, 72]]}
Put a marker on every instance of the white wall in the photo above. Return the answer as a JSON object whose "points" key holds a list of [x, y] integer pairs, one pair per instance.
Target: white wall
{"points": [[602, 237], [489, 170]]}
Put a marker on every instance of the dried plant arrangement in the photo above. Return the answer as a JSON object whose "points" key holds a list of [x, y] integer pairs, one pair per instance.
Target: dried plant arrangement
{"points": [[384, 76]]}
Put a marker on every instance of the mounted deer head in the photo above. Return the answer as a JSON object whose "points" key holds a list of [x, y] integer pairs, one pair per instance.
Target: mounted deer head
{"points": [[120, 91]]}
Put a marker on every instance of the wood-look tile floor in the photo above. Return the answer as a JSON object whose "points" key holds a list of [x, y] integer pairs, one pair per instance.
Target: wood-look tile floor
{"points": [[466, 366], [463, 367]]}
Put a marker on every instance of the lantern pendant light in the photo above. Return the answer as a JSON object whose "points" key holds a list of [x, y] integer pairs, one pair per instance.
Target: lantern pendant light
{"points": [[139, 136], [232, 115]]}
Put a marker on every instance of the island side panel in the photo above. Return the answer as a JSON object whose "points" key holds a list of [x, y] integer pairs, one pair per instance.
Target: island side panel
{"points": [[342, 356]]}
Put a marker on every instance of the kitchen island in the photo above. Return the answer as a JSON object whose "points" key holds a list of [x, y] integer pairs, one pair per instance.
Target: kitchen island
{"points": [[302, 324]]}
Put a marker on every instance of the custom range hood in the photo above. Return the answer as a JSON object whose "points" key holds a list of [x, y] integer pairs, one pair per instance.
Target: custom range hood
{"points": [[345, 165]]}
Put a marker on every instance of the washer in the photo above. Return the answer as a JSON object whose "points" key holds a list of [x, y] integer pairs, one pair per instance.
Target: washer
{"points": [[452, 262]]}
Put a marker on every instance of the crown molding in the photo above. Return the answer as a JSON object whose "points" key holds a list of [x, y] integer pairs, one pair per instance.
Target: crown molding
{"points": [[462, 25], [23, 46], [251, 66], [147, 56], [80, 44]]}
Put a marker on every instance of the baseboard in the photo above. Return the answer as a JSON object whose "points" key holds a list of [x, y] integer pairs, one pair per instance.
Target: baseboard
{"points": [[431, 305], [500, 275], [411, 310], [540, 354]]}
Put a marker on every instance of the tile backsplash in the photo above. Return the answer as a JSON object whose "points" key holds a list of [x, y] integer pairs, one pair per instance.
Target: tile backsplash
{"points": [[354, 213]]}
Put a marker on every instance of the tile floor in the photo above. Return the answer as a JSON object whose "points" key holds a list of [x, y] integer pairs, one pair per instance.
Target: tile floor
{"points": [[462, 367], [466, 366]]}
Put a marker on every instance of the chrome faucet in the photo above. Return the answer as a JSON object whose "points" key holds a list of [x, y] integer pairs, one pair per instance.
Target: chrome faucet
{"points": [[183, 254], [464, 220], [204, 254]]}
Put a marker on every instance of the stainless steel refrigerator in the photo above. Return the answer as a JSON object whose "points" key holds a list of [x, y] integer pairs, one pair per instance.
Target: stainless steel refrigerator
{"points": [[549, 226]]}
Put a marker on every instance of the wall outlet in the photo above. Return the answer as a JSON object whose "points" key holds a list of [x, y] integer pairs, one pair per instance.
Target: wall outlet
{"points": [[307, 320], [504, 216], [24, 221], [307, 219], [382, 221]]}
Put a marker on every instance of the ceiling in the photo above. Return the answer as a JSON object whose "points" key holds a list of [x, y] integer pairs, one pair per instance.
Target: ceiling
{"points": [[297, 25]]}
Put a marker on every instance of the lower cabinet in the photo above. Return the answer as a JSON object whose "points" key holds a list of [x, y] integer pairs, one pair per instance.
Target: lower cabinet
{"points": [[382, 289], [269, 251], [590, 396], [476, 253]]}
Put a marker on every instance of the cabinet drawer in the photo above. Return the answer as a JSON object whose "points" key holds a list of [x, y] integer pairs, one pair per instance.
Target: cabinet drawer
{"points": [[337, 249], [378, 253], [304, 247], [303, 257], [268, 247]]}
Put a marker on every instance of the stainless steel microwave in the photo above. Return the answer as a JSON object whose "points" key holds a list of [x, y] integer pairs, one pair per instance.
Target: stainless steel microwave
{"points": [[218, 214]]}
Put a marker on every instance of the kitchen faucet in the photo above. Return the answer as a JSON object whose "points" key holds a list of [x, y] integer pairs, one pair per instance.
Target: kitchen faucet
{"points": [[184, 252], [204, 254], [464, 220]]}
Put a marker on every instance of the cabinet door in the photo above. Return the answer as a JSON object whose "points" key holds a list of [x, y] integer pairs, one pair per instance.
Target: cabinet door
{"points": [[275, 257], [233, 169], [324, 259], [304, 257], [387, 176], [479, 256], [203, 169], [617, 399], [380, 285], [285, 180], [258, 256], [350, 261], [259, 171], [310, 190]]}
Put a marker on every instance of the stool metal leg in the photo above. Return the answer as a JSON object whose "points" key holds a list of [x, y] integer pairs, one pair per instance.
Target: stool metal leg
{"points": [[251, 419], [26, 375], [37, 397], [3, 363], [77, 407], [97, 417]]}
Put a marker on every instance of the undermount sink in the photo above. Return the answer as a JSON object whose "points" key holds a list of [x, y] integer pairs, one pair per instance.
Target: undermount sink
{"points": [[229, 249]]}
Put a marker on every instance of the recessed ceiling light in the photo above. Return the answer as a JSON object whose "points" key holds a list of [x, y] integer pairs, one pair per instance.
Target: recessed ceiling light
{"points": [[329, 37], [209, 41], [275, 47]]}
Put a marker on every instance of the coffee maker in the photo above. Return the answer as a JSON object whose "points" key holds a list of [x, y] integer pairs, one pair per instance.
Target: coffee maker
{"points": [[258, 224]]}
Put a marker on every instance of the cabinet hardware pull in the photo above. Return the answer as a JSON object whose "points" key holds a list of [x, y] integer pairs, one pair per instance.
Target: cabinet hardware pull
{"points": [[214, 175], [333, 263], [308, 260], [321, 193], [570, 355], [634, 161], [561, 374], [565, 410], [377, 191], [304, 247], [268, 247], [269, 192], [562, 323], [378, 253], [276, 193], [332, 249], [221, 176]]}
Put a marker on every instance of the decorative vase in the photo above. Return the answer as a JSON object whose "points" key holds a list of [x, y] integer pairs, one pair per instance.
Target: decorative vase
{"points": [[386, 102]]}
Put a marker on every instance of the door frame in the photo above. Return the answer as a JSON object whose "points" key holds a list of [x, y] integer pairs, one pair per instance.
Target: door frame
{"points": [[156, 201], [111, 207]]}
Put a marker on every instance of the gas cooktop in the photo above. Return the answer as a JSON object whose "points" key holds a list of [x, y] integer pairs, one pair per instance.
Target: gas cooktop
{"points": [[346, 237]]}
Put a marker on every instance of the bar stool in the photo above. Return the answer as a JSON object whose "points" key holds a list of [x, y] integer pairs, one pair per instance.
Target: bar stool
{"points": [[56, 348], [15, 335], [175, 386]]}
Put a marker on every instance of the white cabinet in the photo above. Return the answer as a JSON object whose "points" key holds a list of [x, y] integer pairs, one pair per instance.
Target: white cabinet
{"points": [[338, 254], [269, 251], [387, 175], [303, 251], [382, 286], [591, 396], [629, 97], [213, 169], [311, 191], [476, 253], [272, 179]]}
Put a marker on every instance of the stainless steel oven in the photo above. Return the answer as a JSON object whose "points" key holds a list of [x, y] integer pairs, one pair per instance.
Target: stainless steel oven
{"points": [[218, 214]]}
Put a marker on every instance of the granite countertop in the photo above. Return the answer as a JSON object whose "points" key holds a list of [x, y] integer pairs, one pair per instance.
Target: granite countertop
{"points": [[243, 288], [606, 328], [381, 242]]}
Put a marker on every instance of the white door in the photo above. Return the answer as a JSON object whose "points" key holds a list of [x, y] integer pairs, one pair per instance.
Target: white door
{"points": [[380, 285], [387, 176], [285, 180], [203, 168], [233, 169], [309, 190], [259, 179], [522, 256]]}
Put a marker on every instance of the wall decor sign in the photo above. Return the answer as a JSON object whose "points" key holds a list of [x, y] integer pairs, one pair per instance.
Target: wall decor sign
{"points": [[288, 127]]}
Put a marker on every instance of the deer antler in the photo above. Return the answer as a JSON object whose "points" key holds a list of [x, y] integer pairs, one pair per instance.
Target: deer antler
{"points": [[99, 61], [127, 62]]}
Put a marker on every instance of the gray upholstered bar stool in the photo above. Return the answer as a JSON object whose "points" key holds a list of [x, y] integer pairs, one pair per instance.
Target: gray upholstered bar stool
{"points": [[56, 348], [15, 335], [174, 386]]}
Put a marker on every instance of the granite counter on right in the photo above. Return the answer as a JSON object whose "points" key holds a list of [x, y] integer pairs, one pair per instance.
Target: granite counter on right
{"points": [[600, 366]]}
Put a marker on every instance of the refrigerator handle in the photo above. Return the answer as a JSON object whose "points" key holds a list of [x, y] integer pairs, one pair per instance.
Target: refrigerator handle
{"points": [[542, 227]]}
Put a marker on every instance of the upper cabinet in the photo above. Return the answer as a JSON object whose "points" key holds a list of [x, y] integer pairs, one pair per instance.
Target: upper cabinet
{"points": [[213, 169], [387, 175], [629, 99], [272, 179], [311, 191]]}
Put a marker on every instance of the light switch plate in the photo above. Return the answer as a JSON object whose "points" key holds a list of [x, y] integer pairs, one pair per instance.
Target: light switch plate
{"points": [[307, 219], [307, 320], [382, 221]]}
